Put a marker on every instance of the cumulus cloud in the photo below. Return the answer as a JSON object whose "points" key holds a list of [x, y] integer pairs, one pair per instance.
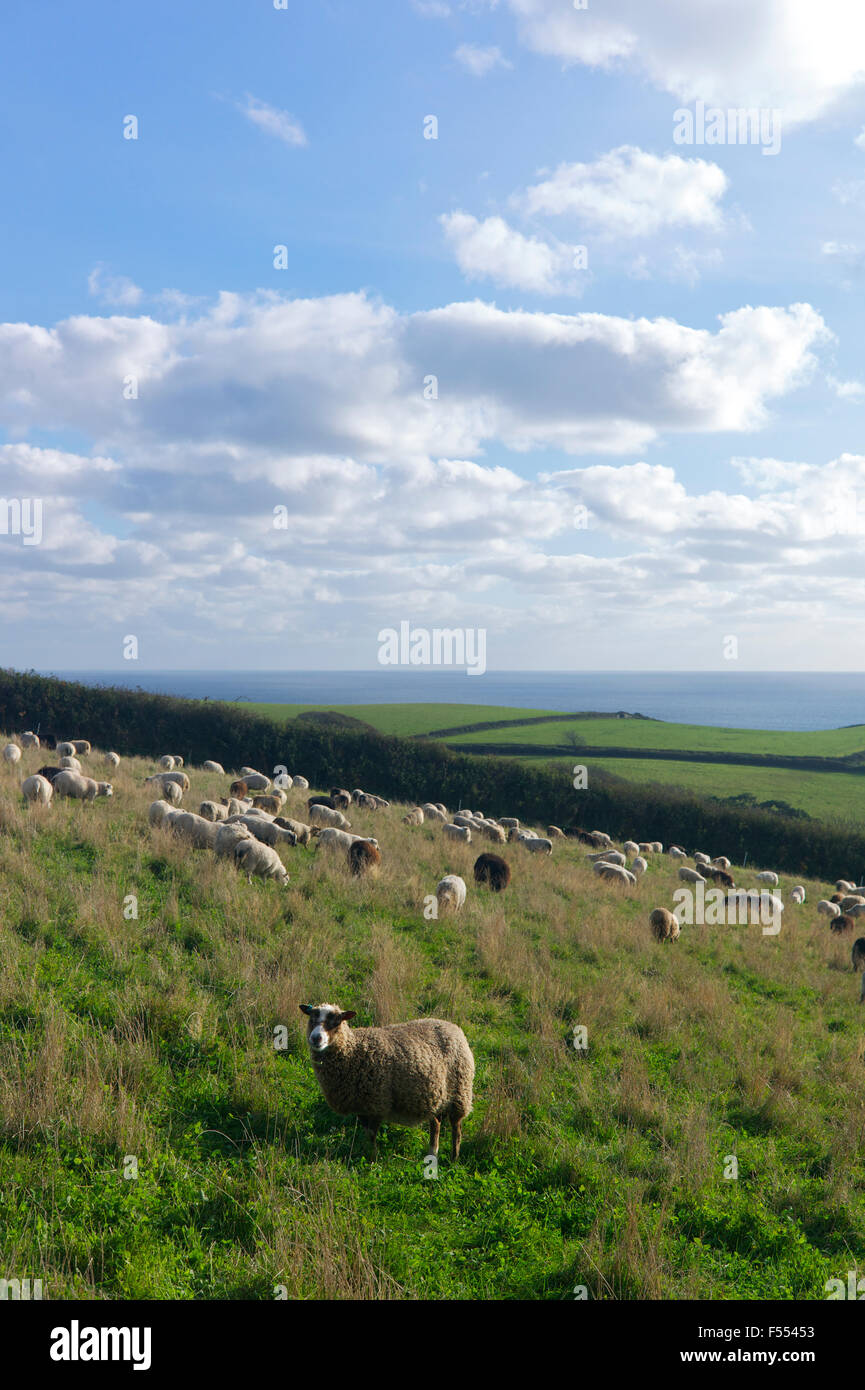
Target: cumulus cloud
{"points": [[786, 54], [275, 122], [629, 192], [493, 250]]}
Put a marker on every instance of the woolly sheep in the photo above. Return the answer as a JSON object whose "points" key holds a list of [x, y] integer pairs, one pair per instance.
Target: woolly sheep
{"points": [[211, 766], [11, 753], [602, 837], [166, 762], [798, 893], [267, 831], [432, 812], [37, 790], [238, 789], [614, 873], [657, 847], [69, 783], [690, 875], [414, 817], [256, 858], [331, 838], [65, 750], [768, 877], [554, 833], [842, 886], [172, 793], [631, 847], [301, 832], [647, 847], [701, 858], [323, 816], [537, 845], [457, 832], [609, 856], [851, 900], [163, 777], [200, 833], [82, 747], [112, 759], [228, 837], [676, 853], [720, 876], [364, 857], [450, 893], [510, 823], [159, 812], [857, 910], [638, 866], [492, 870], [720, 862], [300, 783], [69, 764], [235, 807], [665, 925], [29, 739], [841, 924], [416, 1073], [828, 909], [463, 821], [272, 803], [211, 810], [256, 781]]}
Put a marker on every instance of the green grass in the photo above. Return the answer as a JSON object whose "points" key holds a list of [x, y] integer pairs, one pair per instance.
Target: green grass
{"points": [[150, 1039], [399, 719]]}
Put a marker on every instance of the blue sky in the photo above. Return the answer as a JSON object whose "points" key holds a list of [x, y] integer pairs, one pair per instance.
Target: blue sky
{"points": [[712, 431]]}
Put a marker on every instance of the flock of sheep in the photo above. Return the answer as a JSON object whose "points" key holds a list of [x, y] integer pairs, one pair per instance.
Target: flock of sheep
{"points": [[421, 1072]]}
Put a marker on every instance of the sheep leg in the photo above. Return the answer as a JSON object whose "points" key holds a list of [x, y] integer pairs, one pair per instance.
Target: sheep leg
{"points": [[435, 1125], [371, 1125], [456, 1137]]}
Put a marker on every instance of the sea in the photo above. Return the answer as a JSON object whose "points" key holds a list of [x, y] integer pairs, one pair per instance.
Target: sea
{"points": [[803, 700]]}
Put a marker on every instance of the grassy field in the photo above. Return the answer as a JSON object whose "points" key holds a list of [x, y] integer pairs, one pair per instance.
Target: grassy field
{"points": [[145, 1044], [398, 719]]}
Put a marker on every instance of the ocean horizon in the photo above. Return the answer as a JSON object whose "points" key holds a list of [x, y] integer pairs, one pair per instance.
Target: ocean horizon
{"points": [[793, 700]]}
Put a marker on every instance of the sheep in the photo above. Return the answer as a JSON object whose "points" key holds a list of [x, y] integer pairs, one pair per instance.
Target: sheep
{"points": [[631, 847], [609, 856], [657, 847], [798, 893], [302, 833], [510, 823], [602, 838], [166, 762], [638, 866], [238, 789], [364, 857], [210, 766], [700, 858], [836, 898], [162, 777], [300, 783], [200, 833], [676, 853], [272, 803], [320, 801], [554, 833], [450, 893], [414, 817], [828, 909], [457, 832], [69, 783], [172, 793], [331, 838], [432, 812], [372, 803], [68, 764], [341, 798], [178, 761], [843, 886], [256, 858], [235, 807], [29, 739], [720, 876], [690, 875], [537, 845], [112, 759], [492, 870], [614, 873], [12, 753], [81, 747], [211, 810], [467, 822], [268, 832], [228, 836], [494, 833], [857, 910], [49, 773], [416, 1073], [160, 813], [768, 877], [720, 862], [323, 816], [65, 750], [37, 790], [851, 900], [647, 847], [255, 781], [665, 925], [841, 924]]}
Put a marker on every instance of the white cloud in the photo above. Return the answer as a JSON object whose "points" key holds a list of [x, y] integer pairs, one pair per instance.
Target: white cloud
{"points": [[629, 192], [118, 291], [479, 61], [275, 122], [492, 250], [787, 54]]}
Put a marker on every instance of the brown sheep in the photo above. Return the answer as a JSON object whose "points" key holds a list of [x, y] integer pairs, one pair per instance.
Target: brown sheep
{"points": [[841, 924], [858, 953], [340, 798], [664, 924], [273, 804], [718, 875], [239, 789], [492, 870], [363, 858]]}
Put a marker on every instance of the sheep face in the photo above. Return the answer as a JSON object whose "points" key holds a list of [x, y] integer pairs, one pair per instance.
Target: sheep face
{"points": [[324, 1023]]}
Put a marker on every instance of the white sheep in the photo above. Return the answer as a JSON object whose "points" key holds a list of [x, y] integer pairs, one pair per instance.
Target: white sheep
{"points": [[256, 858], [12, 753], [37, 790], [690, 875], [228, 836], [166, 762], [457, 832], [614, 873], [299, 783], [631, 847], [828, 909], [211, 766], [65, 750], [255, 781], [638, 865], [265, 831], [69, 764], [162, 777], [301, 832], [323, 815], [212, 810], [432, 812], [70, 783], [843, 886], [768, 877], [450, 893], [414, 817], [536, 844], [676, 853], [200, 833], [798, 893], [172, 792], [112, 759], [609, 856], [159, 813], [29, 739]]}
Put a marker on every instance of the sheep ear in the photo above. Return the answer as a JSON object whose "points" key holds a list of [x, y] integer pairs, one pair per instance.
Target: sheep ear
{"points": [[306, 1008], [351, 1013]]}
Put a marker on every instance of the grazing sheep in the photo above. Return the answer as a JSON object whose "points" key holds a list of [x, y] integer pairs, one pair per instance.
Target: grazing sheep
{"points": [[664, 924], [29, 739], [273, 803], [494, 833], [300, 783], [238, 789], [11, 753], [842, 886], [457, 832], [467, 822], [631, 847], [341, 798], [160, 813], [721, 862], [432, 812], [172, 792], [163, 777], [554, 833], [68, 764], [268, 832], [200, 833], [509, 823], [851, 900], [81, 747], [608, 856], [228, 837], [536, 844], [65, 750], [69, 783], [235, 807], [700, 858], [332, 838], [841, 924], [320, 801], [798, 893], [37, 790], [690, 875], [166, 762], [255, 781], [677, 853], [828, 909], [492, 870], [112, 759], [657, 847], [364, 857], [49, 773], [450, 893], [614, 873], [836, 898], [647, 847], [638, 866], [857, 910], [323, 815], [720, 876], [301, 832], [256, 858], [768, 877], [414, 817], [602, 838], [210, 766], [417, 1073], [211, 810]]}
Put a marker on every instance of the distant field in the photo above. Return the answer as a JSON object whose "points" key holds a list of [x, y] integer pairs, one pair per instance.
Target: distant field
{"points": [[404, 719]]}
